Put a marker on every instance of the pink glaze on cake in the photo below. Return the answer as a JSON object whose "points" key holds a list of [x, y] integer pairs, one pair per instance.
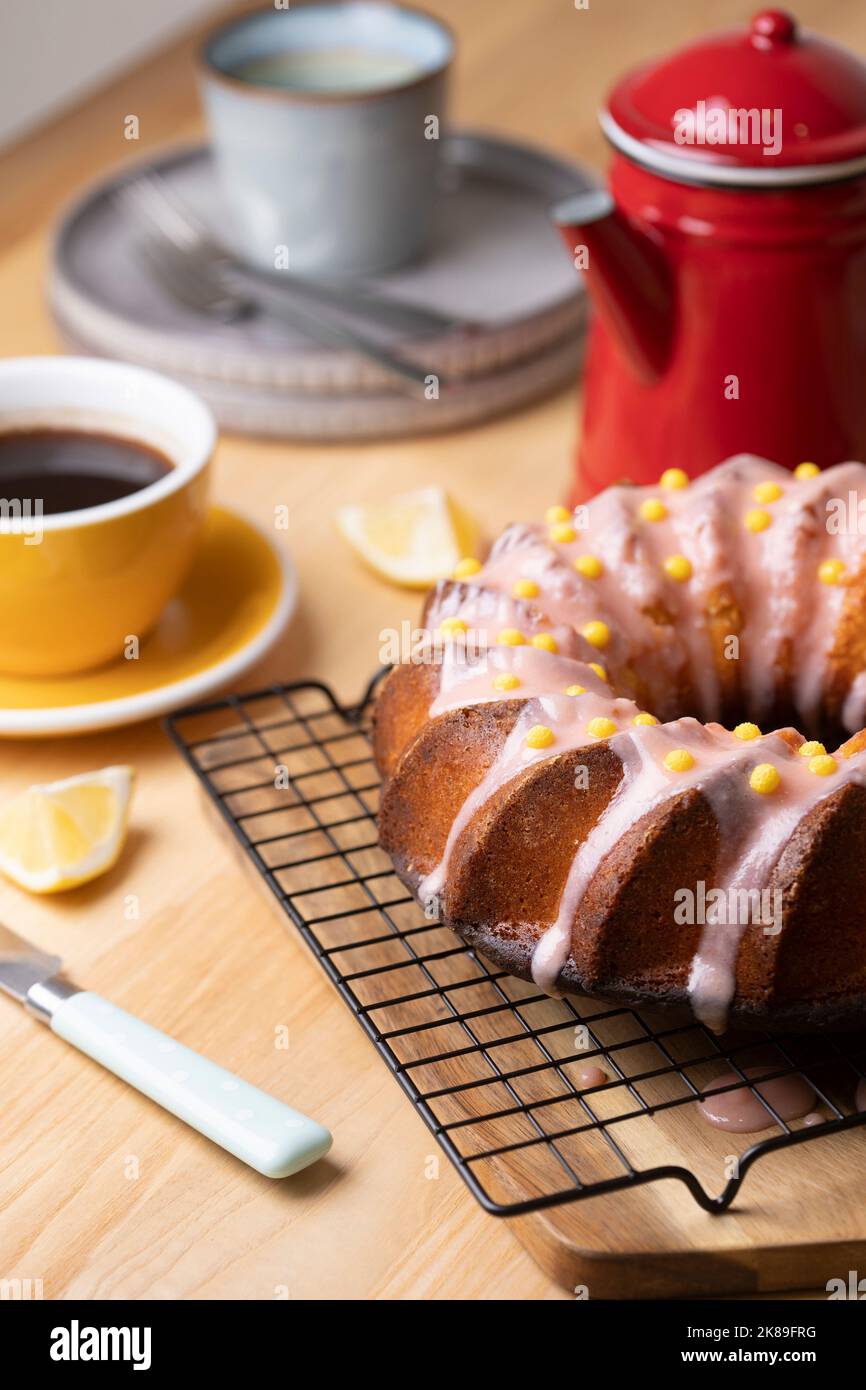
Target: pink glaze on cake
{"points": [[530, 592], [788, 612]]}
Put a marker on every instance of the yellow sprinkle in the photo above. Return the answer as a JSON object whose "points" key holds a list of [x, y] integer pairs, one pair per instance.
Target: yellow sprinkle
{"points": [[510, 637], [589, 566], [554, 514], [674, 479], [451, 625], [644, 718], [823, 765], [466, 568], [679, 760], [806, 470], [562, 532], [599, 670], [601, 727], [545, 642], [596, 633], [747, 731], [812, 749], [575, 690], [765, 779], [505, 681], [831, 571], [767, 492], [539, 736], [679, 568], [525, 588], [757, 519], [653, 509]]}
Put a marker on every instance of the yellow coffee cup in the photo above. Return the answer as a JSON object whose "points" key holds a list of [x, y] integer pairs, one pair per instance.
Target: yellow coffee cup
{"points": [[79, 589]]}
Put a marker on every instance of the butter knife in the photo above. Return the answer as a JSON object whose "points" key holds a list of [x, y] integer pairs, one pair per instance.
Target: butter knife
{"points": [[258, 1129]]}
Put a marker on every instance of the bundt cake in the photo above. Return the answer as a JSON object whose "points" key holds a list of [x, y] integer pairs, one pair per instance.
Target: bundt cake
{"points": [[550, 791]]}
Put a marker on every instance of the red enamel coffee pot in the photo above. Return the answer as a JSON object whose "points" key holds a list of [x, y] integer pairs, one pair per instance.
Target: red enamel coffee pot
{"points": [[727, 263]]}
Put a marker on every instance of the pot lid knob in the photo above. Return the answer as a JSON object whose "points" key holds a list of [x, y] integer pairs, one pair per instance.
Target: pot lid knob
{"points": [[773, 27], [768, 103]]}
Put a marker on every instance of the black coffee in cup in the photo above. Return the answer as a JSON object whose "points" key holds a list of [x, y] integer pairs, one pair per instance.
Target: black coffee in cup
{"points": [[68, 470]]}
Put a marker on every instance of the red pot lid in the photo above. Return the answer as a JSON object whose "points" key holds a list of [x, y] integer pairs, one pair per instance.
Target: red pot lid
{"points": [[711, 110]]}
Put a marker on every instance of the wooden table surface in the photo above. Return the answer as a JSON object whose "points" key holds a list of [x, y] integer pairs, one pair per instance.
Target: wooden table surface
{"points": [[102, 1195]]}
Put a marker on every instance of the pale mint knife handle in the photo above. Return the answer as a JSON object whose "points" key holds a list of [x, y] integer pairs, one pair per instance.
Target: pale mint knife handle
{"points": [[255, 1127]]}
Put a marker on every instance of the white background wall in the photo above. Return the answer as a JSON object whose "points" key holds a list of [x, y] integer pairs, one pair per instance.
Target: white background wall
{"points": [[53, 51]]}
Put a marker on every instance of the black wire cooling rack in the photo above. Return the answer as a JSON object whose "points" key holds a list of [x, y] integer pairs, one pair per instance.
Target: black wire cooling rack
{"points": [[498, 1071]]}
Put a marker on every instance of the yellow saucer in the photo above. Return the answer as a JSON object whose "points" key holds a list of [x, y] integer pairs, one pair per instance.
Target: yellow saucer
{"points": [[238, 597]]}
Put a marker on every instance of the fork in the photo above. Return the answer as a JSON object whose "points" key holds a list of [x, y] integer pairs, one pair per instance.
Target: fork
{"points": [[200, 288], [199, 273], [154, 196]]}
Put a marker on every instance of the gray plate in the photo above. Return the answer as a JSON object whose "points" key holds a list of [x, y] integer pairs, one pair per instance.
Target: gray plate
{"points": [[497, 260]]}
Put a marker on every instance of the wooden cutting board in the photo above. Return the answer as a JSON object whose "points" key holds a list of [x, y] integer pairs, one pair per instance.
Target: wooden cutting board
{"points": [[493, 1066], [797, 1223]]}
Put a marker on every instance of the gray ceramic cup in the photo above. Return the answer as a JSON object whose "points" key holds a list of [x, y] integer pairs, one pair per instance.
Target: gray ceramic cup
{"points": [[324, 120]]}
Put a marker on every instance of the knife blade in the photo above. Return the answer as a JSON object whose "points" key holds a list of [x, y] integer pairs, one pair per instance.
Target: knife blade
{"points": [[254, 1126], [22, 965]]}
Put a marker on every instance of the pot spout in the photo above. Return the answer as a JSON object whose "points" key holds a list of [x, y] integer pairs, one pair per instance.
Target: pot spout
{"points": [[627, 276]]}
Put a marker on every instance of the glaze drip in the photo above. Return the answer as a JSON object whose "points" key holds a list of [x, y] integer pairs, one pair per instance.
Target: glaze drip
{"points": [[740, 1111]]}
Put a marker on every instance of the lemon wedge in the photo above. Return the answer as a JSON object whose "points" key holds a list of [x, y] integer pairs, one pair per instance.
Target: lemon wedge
{"points": [[413, 539], [60, 834]]}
